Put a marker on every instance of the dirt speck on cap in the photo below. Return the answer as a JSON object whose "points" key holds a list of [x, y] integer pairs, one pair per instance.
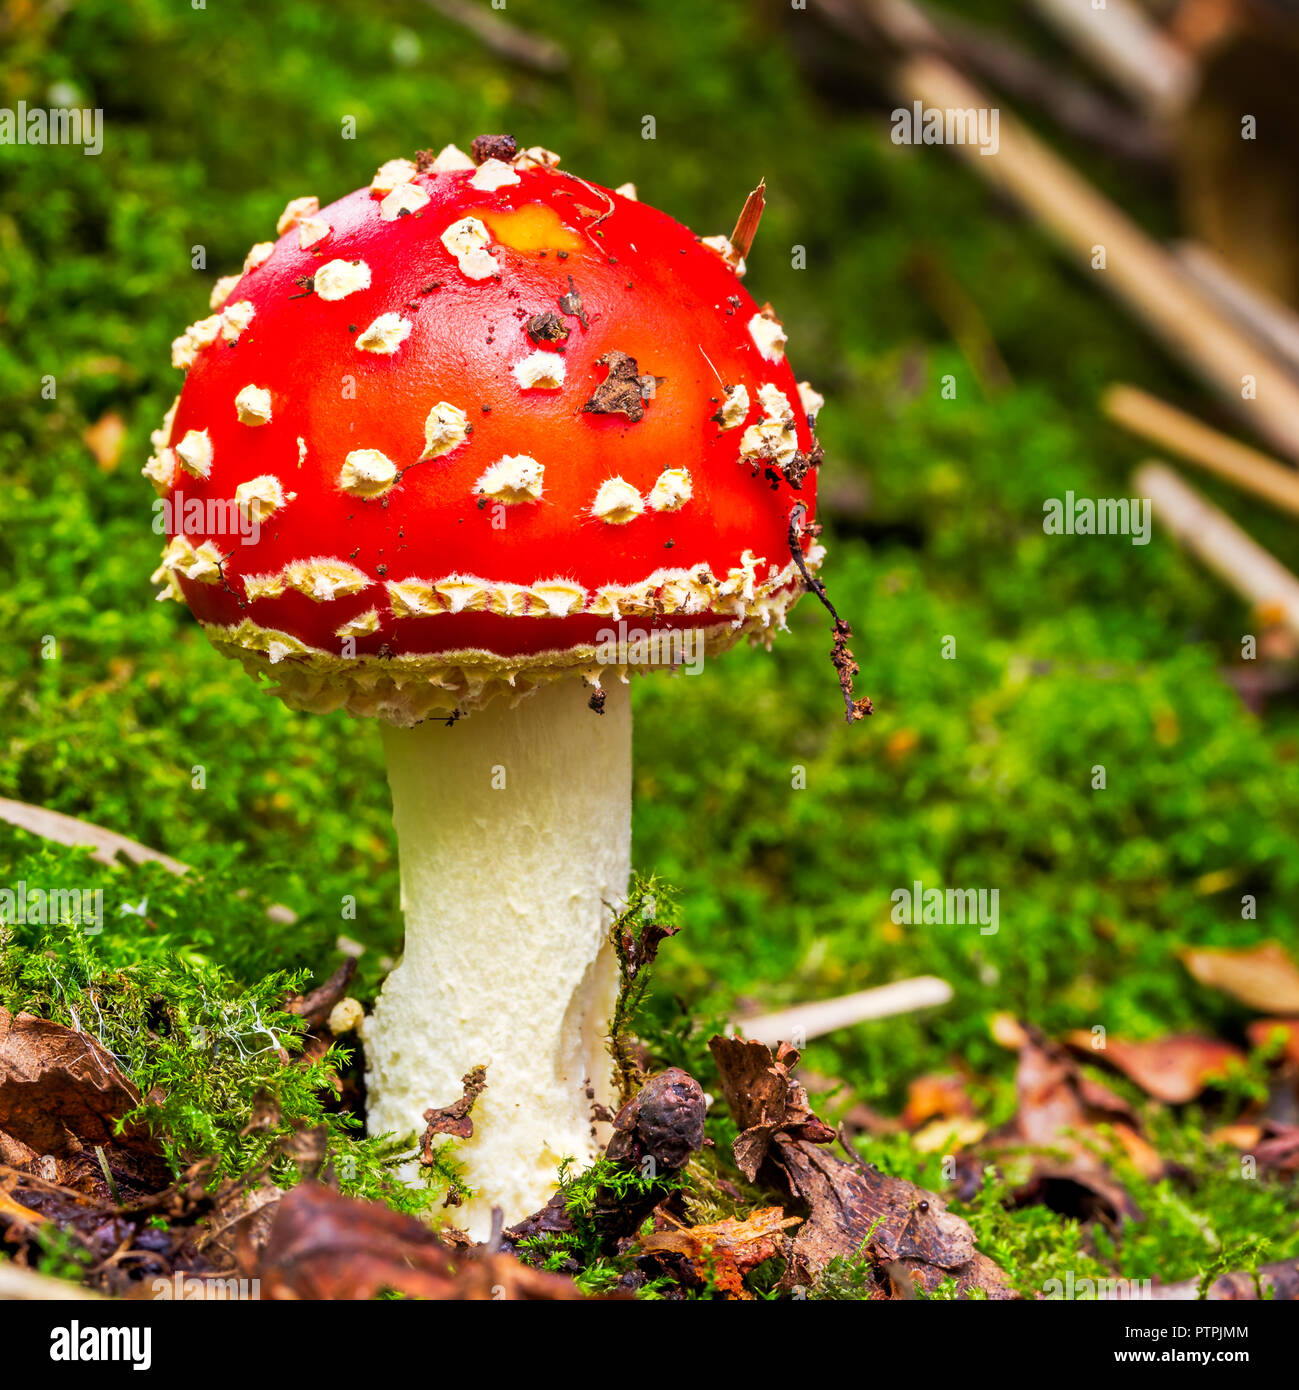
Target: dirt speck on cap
{"points": [[502, 147]]}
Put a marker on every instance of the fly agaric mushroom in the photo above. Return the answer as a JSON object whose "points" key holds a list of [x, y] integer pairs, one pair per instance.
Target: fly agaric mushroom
{"points": [[490, 418]]}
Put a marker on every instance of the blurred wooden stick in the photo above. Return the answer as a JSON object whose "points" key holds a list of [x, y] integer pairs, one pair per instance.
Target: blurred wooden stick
{"points": [[502, 38], [1096, 119], [823, 1016], [26, 1285], [1276, 323], [1165, 425], [1212, 536], [1277, 1282], [1137, 269], [105, 845], [1127, 47]]}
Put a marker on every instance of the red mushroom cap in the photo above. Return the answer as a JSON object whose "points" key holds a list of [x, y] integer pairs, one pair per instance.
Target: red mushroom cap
{"points": [[469, 418]]}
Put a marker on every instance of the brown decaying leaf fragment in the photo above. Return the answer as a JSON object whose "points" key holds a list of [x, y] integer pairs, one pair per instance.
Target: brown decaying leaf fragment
{"points": [[640, 952], [60, 1090], [935, 1097], [723, 1250], [746, 227], [323, 1245], [1058, 1112], [624, 390], [852, 1210], [1264, 977], [453, 1119], [1173, 1070], [763, 1098], [845, 664], [902, 1227]]}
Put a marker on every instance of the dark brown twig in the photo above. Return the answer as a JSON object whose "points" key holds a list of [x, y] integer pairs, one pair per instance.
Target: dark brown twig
{"points": [[844, 661]]}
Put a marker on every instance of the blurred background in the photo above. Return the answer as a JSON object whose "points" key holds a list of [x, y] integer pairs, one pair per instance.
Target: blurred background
{"points": [[950, 307]]}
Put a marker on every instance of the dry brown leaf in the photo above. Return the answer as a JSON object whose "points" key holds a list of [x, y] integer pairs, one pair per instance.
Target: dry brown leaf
{"points": [[1174, 1070], [1056, 1121], [104, 440], [1142, 1155], [1262, 1031], [59, 1089], [894, 1222], [852, 1210], [1007, 1031], [1264, 977], [1241, 1136], [948, 1135], [1278, 1150], [935, 1097], [724, 1250], [325, 1246], [763, 1098]]}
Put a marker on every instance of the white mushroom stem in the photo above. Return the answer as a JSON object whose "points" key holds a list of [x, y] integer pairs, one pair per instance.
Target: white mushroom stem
{"points": [[514, 831]]}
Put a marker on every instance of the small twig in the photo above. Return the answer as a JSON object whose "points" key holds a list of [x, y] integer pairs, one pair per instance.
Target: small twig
{"points": [[844, 661], [105, 845]]}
